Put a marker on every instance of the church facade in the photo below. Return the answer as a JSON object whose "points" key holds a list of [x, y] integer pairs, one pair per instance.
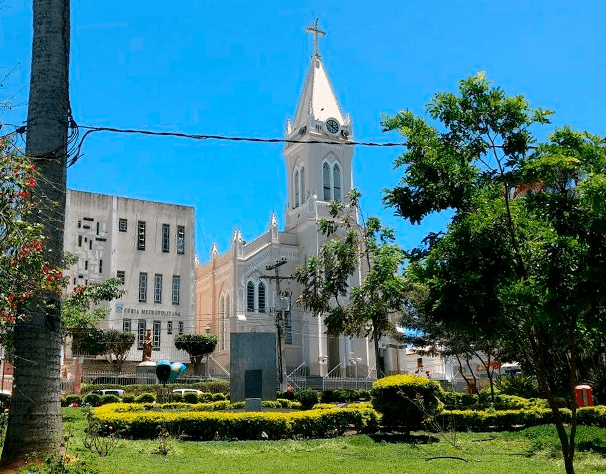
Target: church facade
{"points": [[234, 291]]}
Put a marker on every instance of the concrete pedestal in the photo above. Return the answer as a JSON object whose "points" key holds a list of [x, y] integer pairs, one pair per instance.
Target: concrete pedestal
{"points": [[146, 372], [253, 404]]}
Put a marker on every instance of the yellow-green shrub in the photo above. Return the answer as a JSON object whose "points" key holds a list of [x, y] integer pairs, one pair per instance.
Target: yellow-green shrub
{"points": [[140, 422], [405, 401]]}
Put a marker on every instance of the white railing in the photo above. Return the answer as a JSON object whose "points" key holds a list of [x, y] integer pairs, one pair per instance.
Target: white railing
{"points": [[298, 377], [222, 373], [337, 382]]}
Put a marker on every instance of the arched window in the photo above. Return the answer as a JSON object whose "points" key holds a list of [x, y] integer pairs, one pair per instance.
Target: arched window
{"points": [[222, 324], [261, 297], [297, 188], [302, 185], [326, 180], [336, 173], [250, 296]]}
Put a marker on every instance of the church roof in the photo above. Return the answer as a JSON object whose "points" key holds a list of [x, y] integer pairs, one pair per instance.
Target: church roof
{"points": [[318, 98]]}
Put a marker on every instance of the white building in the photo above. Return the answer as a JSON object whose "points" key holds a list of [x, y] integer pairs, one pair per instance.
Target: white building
{"points": [[150, 246], [233, 293]]}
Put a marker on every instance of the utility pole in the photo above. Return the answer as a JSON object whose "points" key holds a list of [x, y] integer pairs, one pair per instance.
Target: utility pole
{"points": [[280, 306]]}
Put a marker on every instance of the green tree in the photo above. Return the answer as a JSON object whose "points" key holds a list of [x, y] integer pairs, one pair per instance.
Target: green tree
{"points": [[371, 307], [196, 346], [115, 346], [523, 257], [82, 308]]}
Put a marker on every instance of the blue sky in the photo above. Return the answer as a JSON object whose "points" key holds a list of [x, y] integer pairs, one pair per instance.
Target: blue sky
{"points": [[236, 68]]}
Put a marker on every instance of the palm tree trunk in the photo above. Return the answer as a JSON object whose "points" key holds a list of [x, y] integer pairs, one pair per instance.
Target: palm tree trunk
{"points": [[34, 423]]}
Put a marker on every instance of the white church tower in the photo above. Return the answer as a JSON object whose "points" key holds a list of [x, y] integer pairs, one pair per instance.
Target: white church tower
{"points": [[233, 291]]}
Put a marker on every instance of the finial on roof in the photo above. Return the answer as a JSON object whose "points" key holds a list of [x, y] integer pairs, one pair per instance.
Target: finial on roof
{"points": [[237, 237], [316, 32], [273, 220], [214, 251]]}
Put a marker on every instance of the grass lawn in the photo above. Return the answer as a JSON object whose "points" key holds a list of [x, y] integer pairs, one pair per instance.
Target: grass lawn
{"points": [[535, 450]]}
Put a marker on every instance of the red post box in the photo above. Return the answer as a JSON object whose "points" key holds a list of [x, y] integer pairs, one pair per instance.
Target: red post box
{"points": [[583, 395]]}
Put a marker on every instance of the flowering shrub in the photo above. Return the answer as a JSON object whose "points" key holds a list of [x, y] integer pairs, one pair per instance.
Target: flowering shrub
{"points": [[24, 269]]}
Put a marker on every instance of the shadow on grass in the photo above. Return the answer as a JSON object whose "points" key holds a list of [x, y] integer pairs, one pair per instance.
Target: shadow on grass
{"points": [[399, 437]]}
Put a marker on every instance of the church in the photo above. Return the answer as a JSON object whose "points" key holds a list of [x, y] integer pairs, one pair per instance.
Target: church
{"points": [[235, 291]]}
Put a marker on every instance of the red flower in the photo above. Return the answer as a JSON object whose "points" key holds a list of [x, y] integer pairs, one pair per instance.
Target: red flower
{"points": [[32, 183], [24, 194], [45, 270]]}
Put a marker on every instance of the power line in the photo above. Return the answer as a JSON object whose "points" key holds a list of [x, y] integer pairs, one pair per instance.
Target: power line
{"points": [[193, 136]]}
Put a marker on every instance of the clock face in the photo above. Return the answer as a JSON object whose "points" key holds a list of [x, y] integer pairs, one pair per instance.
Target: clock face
{"points": [[332, 126]]}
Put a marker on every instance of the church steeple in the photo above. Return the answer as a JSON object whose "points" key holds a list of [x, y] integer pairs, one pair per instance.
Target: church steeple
{"points": [[318, 154], [318, 103]]}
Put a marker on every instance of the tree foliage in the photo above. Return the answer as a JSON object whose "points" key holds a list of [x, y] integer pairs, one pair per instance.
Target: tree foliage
{"points": [[521, 262], [370, 308], [82, 308], [196, 345]]}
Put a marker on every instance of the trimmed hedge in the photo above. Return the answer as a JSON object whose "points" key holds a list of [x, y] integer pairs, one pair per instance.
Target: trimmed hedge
{"points": [[488, 420], [92, 399], [462, 401], [67, 400], [405, 401], [138, 422], [307, 397], [147, 397]]}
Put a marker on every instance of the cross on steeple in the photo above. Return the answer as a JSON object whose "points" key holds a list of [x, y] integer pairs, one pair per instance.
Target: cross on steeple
{"points": [[316, 32]]}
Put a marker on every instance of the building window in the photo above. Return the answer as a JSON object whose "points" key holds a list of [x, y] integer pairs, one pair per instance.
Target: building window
{"points": [[165, 238], [156, 336], [302, 185], [326, 180], [97, 228], [100, 266], [261, 297], [181, 328], [180, 239], [297, 188], [250, 296], [122, 225], [79, 241], [79, 224], [169, 327], [336, 174], [90, 244], [176, 289], [142, 287], [126, 325], [86, 264], [141, 235], [140, 333], [121, 275], [288, 328], [157, 288]]}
